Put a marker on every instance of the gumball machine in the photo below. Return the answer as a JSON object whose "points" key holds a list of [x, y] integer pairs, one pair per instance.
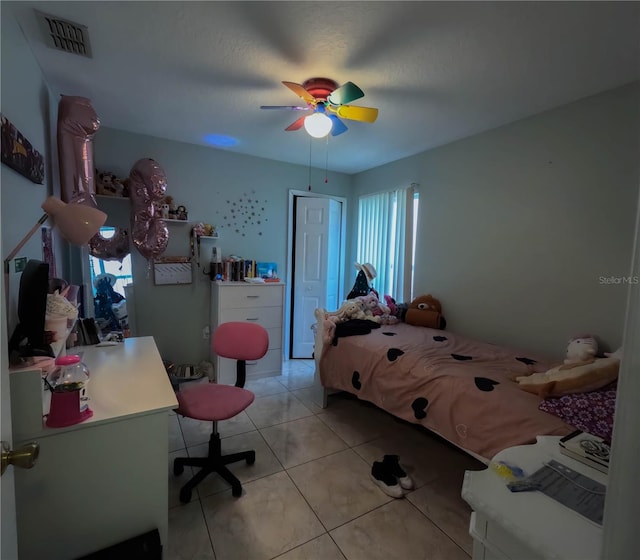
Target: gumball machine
{"points": [[69, 399]]}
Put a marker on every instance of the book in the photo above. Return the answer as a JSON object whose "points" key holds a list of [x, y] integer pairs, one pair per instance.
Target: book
{"points": [[266, 269], [586, 448]]}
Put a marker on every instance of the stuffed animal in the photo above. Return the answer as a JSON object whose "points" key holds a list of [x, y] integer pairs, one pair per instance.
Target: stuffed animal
{"points": [[109, 185], [617, 354], [581, 349], [576, 377], [381, 313], [350, 309], [425, 311], [172, 207], [391, 304]]}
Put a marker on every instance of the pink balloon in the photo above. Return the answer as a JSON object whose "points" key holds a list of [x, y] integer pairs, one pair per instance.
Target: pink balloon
{"points": [[147, 185], [115, 248], [77, 124]]}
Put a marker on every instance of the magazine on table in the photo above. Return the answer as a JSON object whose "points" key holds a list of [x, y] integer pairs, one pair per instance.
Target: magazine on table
{"points": [[586, 448]]}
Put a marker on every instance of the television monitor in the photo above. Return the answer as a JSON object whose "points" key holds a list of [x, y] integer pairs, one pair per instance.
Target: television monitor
{"points": [[29, 337]]}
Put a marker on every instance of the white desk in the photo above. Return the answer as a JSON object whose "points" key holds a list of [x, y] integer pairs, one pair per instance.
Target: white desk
{"points": [[528, 525], [104, 480]]}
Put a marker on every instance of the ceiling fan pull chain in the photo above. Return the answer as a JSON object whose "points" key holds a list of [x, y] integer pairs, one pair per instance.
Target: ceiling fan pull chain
{"points": [[326, 161], [310, 142]]}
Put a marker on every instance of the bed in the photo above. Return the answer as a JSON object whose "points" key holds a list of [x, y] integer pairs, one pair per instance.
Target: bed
{"points": [[459, 388]]}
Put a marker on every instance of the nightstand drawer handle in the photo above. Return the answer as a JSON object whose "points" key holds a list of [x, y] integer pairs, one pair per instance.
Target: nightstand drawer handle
{"points": [[253, 296], [253, 318]]}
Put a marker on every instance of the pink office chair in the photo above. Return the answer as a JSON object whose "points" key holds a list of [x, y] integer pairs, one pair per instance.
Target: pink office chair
{"points": [[213, 402]]}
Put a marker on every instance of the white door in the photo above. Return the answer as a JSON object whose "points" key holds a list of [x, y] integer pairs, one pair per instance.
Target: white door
{"points": [[9, 542], [316, 266]]}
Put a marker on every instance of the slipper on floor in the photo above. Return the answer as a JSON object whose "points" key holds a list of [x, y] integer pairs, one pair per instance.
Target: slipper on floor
{"points": [[388, 483], [392, 464]]}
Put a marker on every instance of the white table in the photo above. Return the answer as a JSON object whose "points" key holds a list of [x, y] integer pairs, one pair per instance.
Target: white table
{"points": [[104, 480], [528, 525]]}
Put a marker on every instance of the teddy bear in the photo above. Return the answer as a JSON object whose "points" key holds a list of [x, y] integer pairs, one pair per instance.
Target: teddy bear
{"points": [[108, 184], [350, 309], [425, 311], [172, 206], [582, 348], [381, 313]]}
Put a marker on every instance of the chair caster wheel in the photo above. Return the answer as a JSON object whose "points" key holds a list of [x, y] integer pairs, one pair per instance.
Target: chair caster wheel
{"points": [[178, 468], [251, 458], [236, 491], [185, 496]]}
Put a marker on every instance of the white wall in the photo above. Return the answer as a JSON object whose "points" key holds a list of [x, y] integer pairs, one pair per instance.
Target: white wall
{"points": [[210, 183], [518, 224], [24, 100]]}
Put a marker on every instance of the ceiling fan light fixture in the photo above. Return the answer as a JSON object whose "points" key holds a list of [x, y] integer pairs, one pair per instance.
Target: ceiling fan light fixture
{"points": [[318, 125]]}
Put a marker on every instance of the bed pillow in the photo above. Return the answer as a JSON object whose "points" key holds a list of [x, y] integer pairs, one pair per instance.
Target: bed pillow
{"points": [[566, 379], [591, 412]]}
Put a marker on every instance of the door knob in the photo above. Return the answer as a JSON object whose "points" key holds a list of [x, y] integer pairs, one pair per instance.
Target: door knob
{"points": [[24, 457]]}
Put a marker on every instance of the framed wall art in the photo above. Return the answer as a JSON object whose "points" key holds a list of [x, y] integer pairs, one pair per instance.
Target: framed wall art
{"points": [[19, 154]]}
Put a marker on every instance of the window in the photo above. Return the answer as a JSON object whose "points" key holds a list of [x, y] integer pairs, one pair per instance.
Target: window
{"points": [[122, 271], [386, 239]]}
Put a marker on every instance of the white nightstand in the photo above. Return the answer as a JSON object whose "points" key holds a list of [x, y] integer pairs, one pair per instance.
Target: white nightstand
{"points": [[509, 525]]}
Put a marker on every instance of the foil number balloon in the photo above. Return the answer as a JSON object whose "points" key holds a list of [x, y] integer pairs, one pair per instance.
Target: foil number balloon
{"points": [[77, 124], [147, 185]]}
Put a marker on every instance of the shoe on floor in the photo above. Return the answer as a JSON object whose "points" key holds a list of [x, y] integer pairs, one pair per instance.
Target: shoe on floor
{"points": [[388, 483], [392, 463]]}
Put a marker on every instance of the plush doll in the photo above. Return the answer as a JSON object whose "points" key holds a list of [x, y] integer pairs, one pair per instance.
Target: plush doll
{"points": [[425, 311], [172, 207], [391, 304], [381, 313], [581, 348], [616, 355], [350, 309], [108, 184]]}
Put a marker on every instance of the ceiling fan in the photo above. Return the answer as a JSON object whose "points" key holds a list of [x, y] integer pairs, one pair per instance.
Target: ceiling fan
{"points": [[327, 104]]}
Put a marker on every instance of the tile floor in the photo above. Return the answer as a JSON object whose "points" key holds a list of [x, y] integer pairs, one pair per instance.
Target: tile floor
{"points": [[309, 495]]}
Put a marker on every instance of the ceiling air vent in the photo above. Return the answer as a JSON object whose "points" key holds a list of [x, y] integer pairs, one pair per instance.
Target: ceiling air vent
{"points": [[65, 35]]}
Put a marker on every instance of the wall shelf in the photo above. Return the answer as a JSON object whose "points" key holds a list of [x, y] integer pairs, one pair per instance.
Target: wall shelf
{"points": [[109, 197], [195, 245], [174, 221]]}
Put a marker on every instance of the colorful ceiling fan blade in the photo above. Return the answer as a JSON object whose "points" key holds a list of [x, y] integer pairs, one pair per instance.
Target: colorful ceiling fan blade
{"points": [[300, 91], [292, 107], [338, 126], [355, 113], [346, 93], [297, 124]]}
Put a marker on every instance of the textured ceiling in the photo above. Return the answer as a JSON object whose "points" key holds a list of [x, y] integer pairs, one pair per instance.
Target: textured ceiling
{"points": [[437, 71]]}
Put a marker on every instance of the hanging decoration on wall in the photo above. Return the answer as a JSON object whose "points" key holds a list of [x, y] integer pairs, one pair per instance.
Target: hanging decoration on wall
{"points": [[48, 255], [18, 153], [78, 123], [244, 214], [147, 185]]}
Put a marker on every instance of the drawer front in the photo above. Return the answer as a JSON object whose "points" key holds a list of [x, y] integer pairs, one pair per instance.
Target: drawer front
{"points": [[268, 317], [504, 544], [270, 363], [231, 297]]}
